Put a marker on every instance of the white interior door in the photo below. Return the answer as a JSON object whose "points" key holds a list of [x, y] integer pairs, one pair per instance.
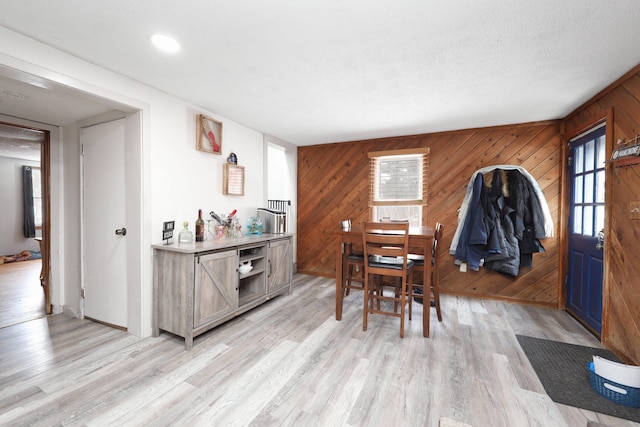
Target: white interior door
{"points": [[104, 214]]}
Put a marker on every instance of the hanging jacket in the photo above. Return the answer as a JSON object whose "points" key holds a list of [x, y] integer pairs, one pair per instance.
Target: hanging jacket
{"points": [[508, 259], [462, 213], [474, 231], [508, 233]]}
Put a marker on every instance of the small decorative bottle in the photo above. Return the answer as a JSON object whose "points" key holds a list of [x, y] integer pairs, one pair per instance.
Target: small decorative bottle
{"points": [[185, 235], [199, 227]]}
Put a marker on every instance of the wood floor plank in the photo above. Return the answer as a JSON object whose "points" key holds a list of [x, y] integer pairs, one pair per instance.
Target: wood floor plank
{"points": [[290, 363]]}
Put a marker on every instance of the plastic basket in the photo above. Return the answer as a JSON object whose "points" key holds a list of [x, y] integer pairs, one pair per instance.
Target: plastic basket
{"points": [[618, 393]]}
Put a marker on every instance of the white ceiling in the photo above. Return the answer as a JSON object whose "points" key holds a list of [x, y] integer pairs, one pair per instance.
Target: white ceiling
{"points": [[320, 71]]}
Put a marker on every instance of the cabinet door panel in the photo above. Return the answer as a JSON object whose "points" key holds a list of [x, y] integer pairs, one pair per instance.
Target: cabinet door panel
{"points": [[216, 286], [280, 264]]}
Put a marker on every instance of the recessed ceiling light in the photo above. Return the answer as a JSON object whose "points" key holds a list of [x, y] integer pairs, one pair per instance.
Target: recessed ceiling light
{"points": [[165, 43]]}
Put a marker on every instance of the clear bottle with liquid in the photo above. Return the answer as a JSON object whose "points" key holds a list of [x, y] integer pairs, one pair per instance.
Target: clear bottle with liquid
{"points": [[185, 236]]}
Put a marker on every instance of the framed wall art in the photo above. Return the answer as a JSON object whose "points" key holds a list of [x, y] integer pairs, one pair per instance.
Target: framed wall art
{"points": [[209, 134], [233, 180]]}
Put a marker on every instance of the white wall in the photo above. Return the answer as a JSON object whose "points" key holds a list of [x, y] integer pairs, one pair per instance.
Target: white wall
{"points": [[12, 240], [177, 180], [281, 164]]}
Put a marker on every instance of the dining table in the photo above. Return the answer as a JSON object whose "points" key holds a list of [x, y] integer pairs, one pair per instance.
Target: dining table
{"points": [[419, 237]]}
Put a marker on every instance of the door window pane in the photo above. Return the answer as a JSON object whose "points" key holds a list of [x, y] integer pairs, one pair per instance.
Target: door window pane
{"points": [[590, 154], [587, 228], [579, 159], [600, 187], [588, 188], [577, 220], [599, 219], [577, 189], [601, 152]]}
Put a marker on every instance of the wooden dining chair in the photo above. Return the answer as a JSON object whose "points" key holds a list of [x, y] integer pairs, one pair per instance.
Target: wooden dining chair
{"points": [[386, 245], [417, 290]]}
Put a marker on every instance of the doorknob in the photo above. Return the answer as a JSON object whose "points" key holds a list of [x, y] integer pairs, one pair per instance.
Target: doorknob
{"points": [[121, 232]]}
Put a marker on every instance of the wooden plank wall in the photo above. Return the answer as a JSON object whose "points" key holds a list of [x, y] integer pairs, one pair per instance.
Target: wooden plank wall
{"points": [[621, 290], [333, 186]]}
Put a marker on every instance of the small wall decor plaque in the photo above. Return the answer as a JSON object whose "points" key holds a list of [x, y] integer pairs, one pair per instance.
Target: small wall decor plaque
{"points": [[233, 180], [209, 134]]}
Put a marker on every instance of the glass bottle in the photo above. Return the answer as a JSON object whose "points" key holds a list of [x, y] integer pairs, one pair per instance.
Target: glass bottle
{"points": [[185, 235], [199, 227], [208, 235]]}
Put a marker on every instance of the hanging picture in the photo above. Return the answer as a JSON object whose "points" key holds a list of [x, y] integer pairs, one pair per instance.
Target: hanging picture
{"points": [[209, 135], [233, 180]]}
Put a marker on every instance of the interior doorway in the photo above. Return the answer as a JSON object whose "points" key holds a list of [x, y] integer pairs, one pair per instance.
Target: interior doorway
{"points": [[25, 247]]}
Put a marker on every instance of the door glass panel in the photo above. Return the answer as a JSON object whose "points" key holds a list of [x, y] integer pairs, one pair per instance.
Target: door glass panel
{"points": [[600, 187], [601, 152], [588, 188], [579, 160], [577, 220], [599, 218], [587, 228], [578, 189], [590, 153]]}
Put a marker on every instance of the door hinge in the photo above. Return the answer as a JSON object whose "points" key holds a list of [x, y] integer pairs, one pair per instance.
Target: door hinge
{"points": [[569, 160], [82, 293]]}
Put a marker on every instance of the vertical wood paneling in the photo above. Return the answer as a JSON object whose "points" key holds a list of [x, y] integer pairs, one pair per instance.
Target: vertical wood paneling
{"points": [[333, 186], [621, 311]]}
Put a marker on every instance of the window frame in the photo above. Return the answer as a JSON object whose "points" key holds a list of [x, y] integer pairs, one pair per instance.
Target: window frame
{"points": [[423, 173], [37, 200]]}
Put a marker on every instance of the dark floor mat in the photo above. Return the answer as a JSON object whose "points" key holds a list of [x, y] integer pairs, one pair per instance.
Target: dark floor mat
{"points": [[564, 373]]}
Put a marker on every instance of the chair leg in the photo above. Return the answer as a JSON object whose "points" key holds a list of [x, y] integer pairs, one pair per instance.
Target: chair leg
{"points": [[349, 274], [366, 298], [397, 291], [403, 294], [410, 298], [436, 298]]}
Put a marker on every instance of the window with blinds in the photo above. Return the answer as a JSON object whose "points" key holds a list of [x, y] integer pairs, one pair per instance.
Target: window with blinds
{"points": [[398, 184]]}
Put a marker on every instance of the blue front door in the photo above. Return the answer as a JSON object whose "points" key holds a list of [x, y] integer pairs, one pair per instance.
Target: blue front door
{"points": [[584, 281]]}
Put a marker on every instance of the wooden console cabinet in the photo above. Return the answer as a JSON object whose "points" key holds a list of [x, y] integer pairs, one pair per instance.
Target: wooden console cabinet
{"points": [[198, 286]]}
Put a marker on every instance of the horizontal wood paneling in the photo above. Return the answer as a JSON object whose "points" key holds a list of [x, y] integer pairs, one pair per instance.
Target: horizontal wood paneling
{"points": [[621, 311], [333, 186]]}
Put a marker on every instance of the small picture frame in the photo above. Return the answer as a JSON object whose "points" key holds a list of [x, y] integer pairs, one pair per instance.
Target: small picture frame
{"points": [[209, 134], [233, 180]]}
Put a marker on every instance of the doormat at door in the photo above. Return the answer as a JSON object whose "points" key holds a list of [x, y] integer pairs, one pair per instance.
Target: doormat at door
{"points": [[563, 371]]}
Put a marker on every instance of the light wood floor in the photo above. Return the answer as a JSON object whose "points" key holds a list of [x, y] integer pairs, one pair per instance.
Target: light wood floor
{"points": [[290, 363], [21, 295]]}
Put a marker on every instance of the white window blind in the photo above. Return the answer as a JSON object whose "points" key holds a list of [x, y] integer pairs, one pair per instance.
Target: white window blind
{"points": [[398, 177]]}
